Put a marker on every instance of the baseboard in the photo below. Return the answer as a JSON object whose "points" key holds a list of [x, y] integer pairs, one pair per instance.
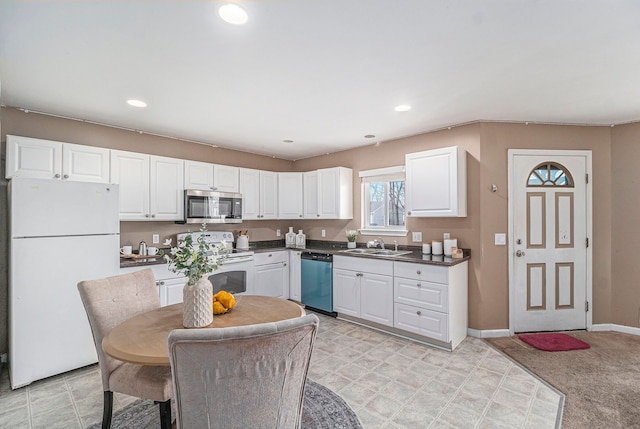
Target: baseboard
{"points": [[487, 333], [617, 328]]}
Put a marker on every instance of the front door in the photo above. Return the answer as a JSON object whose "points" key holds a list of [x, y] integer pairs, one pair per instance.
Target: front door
{"points": [[551, 225]]}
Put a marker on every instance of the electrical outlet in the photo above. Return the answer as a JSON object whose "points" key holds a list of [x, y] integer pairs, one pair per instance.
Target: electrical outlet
{"points": [[324, 233], [416, 237], [500, 239], [156, 239], [446, 236]]}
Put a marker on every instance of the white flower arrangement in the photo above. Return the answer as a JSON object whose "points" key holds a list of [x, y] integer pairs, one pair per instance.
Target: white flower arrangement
{"points": [[194, 260]]}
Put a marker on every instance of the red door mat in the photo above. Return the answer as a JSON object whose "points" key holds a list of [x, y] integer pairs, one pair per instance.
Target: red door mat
{"points": [[553, 342]]}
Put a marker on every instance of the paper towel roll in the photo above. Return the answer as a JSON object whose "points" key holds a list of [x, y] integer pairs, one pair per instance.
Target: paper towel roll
{"points": [[448, 244], [436, 247], [426, 249]]}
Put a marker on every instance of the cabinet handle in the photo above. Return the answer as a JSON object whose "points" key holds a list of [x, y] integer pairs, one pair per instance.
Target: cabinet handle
{"points": [[159, 283], [419, 285], [153, 215], [299, 215], [66, 176], [409, 213], [285, 264], [270, 255], [418, 272], [57, 176], [418, 312], [318, 215], [147, 215]]}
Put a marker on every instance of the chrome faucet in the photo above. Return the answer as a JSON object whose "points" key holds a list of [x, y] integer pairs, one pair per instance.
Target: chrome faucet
{"points": [[376, 243], [395, 245]]}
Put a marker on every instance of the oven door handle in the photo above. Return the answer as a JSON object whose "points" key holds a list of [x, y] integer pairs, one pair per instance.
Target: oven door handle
{"points": [[230, 261]]}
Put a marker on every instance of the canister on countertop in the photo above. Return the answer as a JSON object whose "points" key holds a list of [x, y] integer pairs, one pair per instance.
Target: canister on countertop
{"points": [[449, 244], [290, 238], [436, 247], [301, 240], [426, 249]]}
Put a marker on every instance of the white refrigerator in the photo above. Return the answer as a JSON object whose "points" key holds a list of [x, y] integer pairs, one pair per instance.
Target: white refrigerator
{"points": [[61, 232]]}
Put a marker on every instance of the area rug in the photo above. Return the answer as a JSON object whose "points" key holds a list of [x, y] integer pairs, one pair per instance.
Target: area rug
{"points": [[553, 342], [322, 409], [601, 384]]}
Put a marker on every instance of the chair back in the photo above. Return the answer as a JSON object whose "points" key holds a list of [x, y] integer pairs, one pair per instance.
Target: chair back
{"points": [[242, 377], [112, 300]]}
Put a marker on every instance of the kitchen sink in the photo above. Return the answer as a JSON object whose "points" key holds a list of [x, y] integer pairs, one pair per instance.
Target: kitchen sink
{"points": [[377, 252]]}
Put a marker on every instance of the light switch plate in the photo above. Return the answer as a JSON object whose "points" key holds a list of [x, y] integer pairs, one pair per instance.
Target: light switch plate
{"points": [[446, 236], [416, 237], [278, 233], [156, 239], [324, 233], [501, 239]]}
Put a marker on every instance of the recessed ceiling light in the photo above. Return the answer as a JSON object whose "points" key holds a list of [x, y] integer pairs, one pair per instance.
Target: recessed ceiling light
{"points": [[402, 108], [287, 141], [233, 14], [369, 136], [136, 103]]}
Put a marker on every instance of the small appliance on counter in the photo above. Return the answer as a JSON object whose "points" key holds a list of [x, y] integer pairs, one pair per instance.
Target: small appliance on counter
{"points": [[243, 241]]}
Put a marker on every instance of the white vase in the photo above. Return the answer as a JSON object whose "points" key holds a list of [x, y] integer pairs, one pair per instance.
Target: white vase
{"points": [[351, 244], [198, 311]]}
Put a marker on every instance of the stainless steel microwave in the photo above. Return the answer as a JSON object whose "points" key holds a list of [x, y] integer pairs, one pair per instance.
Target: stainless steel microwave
{"points": [[212, 207]]}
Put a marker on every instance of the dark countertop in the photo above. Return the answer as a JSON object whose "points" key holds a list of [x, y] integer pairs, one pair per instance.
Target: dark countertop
{"points": [[330, 247]]}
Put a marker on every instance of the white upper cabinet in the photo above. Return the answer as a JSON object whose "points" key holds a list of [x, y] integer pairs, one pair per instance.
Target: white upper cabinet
{"points": [[289, 195], [259, 191], [335, 193], [436, 183], [46, 159], [310, 195], [198, 175], [226, 178], [151, 187], [211, 177]]}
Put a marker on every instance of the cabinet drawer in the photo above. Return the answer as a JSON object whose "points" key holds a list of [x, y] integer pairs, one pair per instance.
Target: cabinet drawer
{"points": [[432, 296], [365, 265], [424, 272], [270, 258], [422, 322]]}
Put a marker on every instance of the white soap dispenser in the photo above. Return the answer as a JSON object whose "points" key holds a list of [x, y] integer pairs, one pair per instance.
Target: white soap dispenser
{"points": [[290, 238], [301, 240]]}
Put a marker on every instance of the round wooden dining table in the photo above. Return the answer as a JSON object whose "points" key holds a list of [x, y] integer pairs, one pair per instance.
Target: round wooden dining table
{"points": [[143, 338]]}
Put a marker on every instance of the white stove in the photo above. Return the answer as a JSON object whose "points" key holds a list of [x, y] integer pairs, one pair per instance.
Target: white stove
{"points": [[236, 272]]}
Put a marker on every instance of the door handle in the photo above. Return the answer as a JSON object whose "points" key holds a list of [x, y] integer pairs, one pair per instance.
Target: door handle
{"points": [[520, 253]]}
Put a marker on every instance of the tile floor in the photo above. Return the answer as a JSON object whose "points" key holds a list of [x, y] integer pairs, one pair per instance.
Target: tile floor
{"points": [[390, 382]]}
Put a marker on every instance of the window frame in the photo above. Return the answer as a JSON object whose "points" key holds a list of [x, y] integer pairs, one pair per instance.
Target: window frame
{"points": [[388, 174]]}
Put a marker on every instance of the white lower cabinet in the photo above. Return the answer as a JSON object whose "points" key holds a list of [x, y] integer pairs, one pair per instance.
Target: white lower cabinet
{"points": [[363, 288], [272, 274], [431, 300], [169, 284]]}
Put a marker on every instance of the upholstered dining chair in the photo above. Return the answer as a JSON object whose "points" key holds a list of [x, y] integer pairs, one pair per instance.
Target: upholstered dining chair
{"points": [[242, 377], [108, 302]]}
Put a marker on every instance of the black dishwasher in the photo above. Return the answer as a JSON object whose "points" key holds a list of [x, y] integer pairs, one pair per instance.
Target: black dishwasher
{"points": [[317, 282]]}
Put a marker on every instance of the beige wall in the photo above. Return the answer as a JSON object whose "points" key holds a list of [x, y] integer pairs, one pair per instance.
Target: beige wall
{"points": [[616, 299], [625, 194]]}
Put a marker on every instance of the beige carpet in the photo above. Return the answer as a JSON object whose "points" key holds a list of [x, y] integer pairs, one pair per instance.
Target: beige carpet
{"points": [[601, 384]]}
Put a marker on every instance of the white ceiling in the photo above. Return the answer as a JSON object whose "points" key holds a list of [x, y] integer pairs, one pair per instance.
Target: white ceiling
{"points": [[323, 73]]}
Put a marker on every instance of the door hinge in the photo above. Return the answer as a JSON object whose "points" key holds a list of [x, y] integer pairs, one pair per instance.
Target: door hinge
{"points": [[586, 241], [586, 306], [586, 178]]}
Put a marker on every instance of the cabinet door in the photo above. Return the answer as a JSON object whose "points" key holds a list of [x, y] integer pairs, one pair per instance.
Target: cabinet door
{"points": [[268, 195], [226, 178], [289, 195], [166, 197], [85, 163], [432, 296], [376, 303], [295, 292], [250, 190], [346, 292], [335, 193], [130, 170], [28, 157], [436, 183], [272, 280], [198, 175], [171, 290], [310, 195]]}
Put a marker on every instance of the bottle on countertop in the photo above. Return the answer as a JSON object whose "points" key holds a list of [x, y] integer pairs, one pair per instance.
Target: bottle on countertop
{"points": [[301, 240], [290, 238]]}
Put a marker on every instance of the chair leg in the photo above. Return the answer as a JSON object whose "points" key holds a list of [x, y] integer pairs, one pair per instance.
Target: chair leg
{"points": [[165, 414], [107, 409]]}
